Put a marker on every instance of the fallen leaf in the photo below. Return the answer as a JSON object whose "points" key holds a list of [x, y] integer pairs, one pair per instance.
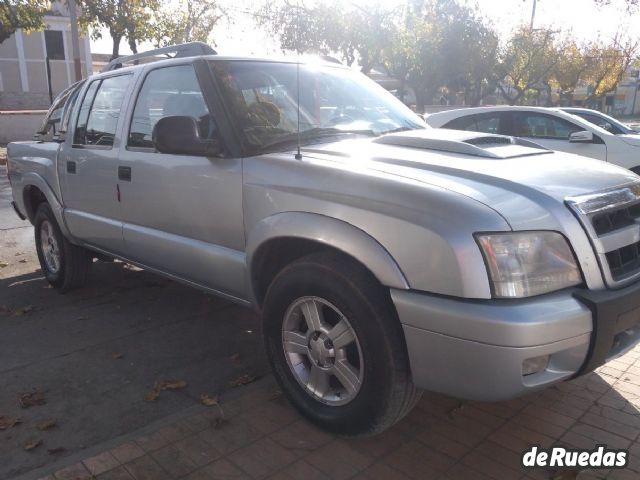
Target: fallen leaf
{"points": [[152, 395], [56, 450], [8, 422], [171, 384], [46, 425], [451, 413], [3, 264], [242, 380], [218, 422], [23, 260], [32, 444], [18, 312], [18, 254], [116, 356], [208, 400], [30, 399]]}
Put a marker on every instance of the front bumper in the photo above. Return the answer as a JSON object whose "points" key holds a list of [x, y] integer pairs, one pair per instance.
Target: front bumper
{"points": [[474, 349]]}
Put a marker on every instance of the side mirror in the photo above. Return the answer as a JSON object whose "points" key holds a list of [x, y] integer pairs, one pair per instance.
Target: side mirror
{"points": [[582, 136], [179, 134]]}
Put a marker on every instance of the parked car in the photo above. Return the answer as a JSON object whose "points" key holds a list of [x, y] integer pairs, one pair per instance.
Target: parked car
{"points": [[602, 120], [564, 130], [385, 257]]}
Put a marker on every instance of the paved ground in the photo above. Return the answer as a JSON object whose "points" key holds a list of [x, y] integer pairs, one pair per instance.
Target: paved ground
{"points": [[96, 353]]}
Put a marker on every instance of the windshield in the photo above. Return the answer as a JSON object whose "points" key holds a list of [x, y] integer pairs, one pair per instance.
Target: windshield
{"points": [[263, 101], [605, 122]]}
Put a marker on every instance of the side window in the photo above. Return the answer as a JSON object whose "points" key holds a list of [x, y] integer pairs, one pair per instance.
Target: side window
{"points": [[100, 110], [485, 123], [53, 122], [601, 122], [537, 125], [165, 92]]}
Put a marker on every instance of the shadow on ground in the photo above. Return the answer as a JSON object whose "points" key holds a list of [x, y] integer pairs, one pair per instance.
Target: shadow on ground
{"points": [[96, 352]]}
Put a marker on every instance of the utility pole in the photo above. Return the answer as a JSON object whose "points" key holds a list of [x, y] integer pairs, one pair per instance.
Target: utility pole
{"points": [[75, 39], [533, 13]]}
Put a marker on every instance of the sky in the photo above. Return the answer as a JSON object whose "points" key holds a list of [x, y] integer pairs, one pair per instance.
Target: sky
{"points": [[582, 17]]}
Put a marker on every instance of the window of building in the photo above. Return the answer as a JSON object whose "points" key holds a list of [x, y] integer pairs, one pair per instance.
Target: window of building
{"points": [[55, 44]]}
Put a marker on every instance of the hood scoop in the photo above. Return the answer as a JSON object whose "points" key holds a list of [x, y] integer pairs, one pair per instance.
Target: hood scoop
{"points": [[463, 142]]}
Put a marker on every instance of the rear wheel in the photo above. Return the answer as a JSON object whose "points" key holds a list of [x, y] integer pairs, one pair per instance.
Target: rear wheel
{"points": [[336, 345], [65, 266]]}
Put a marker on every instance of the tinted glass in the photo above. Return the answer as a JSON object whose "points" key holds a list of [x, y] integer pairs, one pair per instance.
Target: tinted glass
{"points": [[476, 123], [263, 101], [603, 123], [100, 110], [538, 125], [165, 92], [53, 119]]}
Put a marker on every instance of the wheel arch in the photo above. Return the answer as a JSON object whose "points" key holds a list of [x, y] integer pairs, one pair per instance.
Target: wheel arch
{"points": [[35, 191], [276, 241]]}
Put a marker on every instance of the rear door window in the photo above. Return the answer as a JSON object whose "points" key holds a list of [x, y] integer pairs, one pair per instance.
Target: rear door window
{"points": [[100, 110]]}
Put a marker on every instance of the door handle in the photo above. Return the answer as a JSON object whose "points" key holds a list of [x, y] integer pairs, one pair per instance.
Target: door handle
{"points": [[124, 173], [71, 167]]}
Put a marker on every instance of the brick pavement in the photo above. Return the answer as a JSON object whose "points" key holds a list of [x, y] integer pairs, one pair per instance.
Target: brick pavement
{"points": [[262, 436]]}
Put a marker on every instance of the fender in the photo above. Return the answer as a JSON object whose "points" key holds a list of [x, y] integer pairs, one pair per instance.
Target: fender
{"points": [[36, 180], [331, 232]]}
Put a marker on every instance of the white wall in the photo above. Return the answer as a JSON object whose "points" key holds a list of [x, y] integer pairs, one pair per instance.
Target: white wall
{"points": [[17, 126]]}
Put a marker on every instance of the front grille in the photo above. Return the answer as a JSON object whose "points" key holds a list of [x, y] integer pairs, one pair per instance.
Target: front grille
{"points": [[612, 220], [624, 261]]}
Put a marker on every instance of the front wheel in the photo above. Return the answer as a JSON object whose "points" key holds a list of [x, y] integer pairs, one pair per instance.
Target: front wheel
{"points": [[65, 266], [336, 346]]}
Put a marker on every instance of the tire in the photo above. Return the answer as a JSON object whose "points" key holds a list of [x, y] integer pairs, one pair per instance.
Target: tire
{"points": [[65, 266], [377, 366]]}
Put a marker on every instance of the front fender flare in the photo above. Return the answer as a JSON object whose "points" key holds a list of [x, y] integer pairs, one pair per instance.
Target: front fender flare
{"points": [[331, 232]]}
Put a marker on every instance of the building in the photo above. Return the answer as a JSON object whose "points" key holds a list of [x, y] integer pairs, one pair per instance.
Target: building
{"points": [[23, 74]]}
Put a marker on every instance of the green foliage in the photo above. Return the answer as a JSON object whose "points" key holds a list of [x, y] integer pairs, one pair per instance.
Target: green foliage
{"points": [[186, 21], [15, 14], [130, 19]]}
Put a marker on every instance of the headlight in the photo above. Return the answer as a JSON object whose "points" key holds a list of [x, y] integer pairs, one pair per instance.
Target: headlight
{"points": [[523, 264]]}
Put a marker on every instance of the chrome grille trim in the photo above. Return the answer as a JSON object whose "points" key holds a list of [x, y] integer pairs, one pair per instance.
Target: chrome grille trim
{"points": [[612, 243]]}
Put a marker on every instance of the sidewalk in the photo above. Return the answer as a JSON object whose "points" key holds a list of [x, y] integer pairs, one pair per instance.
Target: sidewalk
{"points": [[261, 436]]}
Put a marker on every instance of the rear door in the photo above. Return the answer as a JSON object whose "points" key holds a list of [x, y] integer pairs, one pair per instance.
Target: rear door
{"points": [[88, 164], [182, 213], [553, 132]]}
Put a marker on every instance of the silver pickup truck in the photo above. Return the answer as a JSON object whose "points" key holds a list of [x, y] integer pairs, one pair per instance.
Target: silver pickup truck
{"points": [[385, 257]]}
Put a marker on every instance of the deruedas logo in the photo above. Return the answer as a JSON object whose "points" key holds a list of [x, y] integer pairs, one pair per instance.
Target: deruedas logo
{"points": [[599, 457]]}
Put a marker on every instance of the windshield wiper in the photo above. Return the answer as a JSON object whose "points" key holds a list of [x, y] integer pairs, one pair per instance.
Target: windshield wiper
{"points": [[313, 133]]}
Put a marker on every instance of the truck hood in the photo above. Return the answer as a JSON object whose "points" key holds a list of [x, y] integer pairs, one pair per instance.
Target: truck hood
{"points": [[487, 168]]}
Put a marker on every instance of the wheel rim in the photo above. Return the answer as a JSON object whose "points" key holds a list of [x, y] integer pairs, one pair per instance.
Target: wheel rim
{"points": [[322, 351], [50, 247]]}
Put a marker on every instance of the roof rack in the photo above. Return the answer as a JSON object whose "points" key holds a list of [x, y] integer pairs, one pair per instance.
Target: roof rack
{"points": [[191, 49]]}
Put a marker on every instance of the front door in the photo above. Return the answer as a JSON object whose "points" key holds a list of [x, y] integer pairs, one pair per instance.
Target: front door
{"points": [[88, 165], [553, 132], [182, 214]]}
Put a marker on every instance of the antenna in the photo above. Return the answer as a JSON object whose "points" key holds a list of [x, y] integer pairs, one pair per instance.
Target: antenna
{"points": [[298, 154]]}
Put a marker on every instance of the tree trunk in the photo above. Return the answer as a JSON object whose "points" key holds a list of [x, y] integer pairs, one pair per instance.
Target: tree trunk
{"points": [[132, 45], [116, 46]]}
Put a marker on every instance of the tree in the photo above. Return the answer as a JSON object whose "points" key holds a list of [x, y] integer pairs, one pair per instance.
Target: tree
{"points": [[570, 70], [355, 33], [21, 14], [607, 65], [129, 19], [186, 21], [527, 62]]}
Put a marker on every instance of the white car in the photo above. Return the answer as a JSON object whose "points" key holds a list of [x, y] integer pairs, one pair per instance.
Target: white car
{"points": [[554, 128]]}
